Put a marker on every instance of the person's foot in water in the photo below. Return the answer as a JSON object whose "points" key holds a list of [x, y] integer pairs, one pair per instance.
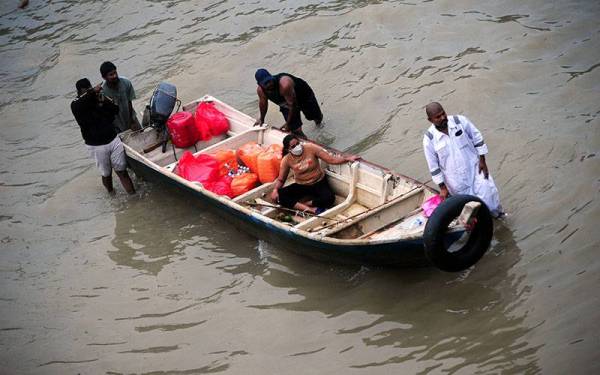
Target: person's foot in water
{"points": [[319, 122]]}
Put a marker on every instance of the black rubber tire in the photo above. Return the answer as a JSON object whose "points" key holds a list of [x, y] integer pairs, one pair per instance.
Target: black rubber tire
{"points": [[437, 225]]}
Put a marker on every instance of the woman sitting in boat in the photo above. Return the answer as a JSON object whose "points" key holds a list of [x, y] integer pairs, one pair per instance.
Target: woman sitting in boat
{"points": [[303, 159]]}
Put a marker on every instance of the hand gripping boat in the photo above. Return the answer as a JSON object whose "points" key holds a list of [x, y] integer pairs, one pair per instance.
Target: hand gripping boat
{"points": [[377, 217]]}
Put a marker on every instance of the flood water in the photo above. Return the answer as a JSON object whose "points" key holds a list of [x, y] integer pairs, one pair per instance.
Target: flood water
{"points": [[155, 284]]}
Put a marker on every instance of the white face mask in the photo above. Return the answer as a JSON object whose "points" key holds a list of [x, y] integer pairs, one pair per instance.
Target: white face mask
{"points": [[297, 150]]}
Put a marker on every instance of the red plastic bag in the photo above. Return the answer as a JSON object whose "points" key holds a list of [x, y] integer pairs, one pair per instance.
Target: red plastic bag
{"points": [[201, 124], [211, 120], [221, 187], [202, 168], [243, 183], [182, 129]]}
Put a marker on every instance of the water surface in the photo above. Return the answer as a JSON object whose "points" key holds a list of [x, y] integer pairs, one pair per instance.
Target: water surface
{"points": [[156, 284]]}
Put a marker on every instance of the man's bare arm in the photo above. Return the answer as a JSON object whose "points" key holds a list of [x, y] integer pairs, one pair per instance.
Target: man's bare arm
{"points": [[263, 106]]}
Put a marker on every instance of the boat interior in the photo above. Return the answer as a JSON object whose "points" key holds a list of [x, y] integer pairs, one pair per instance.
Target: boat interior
{"points": [[371, 203]]}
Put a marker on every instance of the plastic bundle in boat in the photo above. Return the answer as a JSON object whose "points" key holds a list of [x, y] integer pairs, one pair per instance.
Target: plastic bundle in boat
{"points": [[182, 129], [248, 154], [268, 163], [228, 161], [204, 169], [264, 163], [243, 183], [210, 121]]}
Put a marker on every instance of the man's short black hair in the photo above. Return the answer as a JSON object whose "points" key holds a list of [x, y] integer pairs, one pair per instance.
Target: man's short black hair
{"points": [[83, 84], [106, 68], [433, 108]]}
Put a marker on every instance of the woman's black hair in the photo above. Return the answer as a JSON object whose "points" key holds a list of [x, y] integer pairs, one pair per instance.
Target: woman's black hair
{"points": [[286, 143]]}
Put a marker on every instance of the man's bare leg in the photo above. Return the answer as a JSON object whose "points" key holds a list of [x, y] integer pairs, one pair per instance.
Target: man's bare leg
{"points": [[107, 182], [126, 181]]}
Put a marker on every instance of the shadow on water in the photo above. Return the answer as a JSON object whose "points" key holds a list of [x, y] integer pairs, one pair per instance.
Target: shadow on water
{"points": [[460, 321], [159, 228], [471, 317]]}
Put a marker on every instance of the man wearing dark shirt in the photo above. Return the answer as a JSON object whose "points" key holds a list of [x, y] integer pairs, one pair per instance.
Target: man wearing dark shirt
{"points": [[95, 116], [292, 94]]}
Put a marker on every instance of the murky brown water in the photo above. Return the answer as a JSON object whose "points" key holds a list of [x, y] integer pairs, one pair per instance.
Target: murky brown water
{"points": [[154, 284]]}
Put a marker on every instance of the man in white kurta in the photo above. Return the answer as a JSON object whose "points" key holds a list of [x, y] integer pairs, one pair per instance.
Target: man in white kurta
{"points": [[455, 153]]}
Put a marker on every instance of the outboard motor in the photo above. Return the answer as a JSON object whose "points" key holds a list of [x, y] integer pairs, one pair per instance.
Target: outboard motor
{"points": [[161, 106], [162, 103]]}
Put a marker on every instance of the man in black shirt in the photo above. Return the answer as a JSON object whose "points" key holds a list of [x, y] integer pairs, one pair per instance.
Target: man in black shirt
{"points": [[95, 115], [292, 94]]}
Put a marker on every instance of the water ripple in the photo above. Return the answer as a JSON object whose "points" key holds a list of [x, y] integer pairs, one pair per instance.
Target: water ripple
{"points": [[187, 275]]}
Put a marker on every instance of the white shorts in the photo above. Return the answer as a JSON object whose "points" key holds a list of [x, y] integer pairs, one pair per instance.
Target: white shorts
{"points": [[109, 156]]}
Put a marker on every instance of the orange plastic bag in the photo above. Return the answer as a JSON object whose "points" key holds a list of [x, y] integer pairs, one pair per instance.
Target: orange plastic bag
{"points": [[228, 161], [243, 183], [266, 164], [277, 150], [248, 154]]}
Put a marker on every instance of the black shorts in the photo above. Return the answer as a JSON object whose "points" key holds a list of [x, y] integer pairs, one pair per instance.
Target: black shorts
{"points": [[309, 106], [320, 192]]}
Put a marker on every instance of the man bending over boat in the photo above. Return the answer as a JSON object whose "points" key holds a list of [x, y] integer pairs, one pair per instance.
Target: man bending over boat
{"points": [[121, 91], [455, 153], [95, 115], [303, 160], [292, 94]]}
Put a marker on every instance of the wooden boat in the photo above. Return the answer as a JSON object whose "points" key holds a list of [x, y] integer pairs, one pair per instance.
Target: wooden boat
{"points": [[377, 217]]}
